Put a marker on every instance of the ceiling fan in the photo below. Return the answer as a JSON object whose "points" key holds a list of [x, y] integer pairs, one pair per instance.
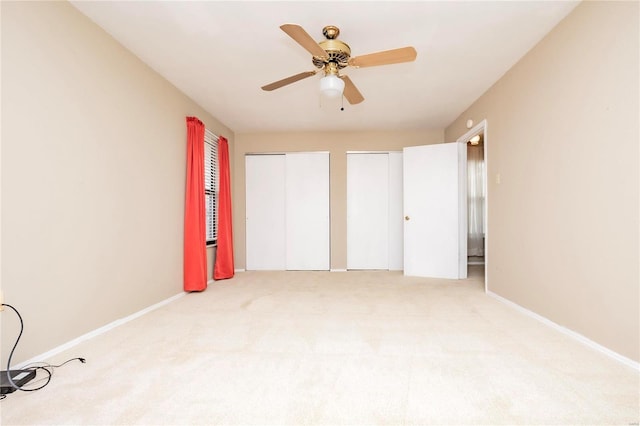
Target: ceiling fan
{"points": [[332, 55]]}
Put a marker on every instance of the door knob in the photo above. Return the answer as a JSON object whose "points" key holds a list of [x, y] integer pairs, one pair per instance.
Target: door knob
{"points": [[407, 218]]}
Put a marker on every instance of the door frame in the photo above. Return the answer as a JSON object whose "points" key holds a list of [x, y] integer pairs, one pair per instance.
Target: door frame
{"points": [[482, 127]]}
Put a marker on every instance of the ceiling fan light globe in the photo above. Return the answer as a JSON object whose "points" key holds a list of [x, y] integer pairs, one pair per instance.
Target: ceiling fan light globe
{"points": [[331, 86]]}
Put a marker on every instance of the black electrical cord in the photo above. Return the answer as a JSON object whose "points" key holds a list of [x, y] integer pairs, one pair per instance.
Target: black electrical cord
{"points": [[48, 368], [14, 348], [46, 365]]}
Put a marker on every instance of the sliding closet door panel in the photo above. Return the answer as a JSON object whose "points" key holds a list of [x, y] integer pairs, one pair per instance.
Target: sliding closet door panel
{"points": [[367, 211], [307, 211], [265, 220], [396, 217]]}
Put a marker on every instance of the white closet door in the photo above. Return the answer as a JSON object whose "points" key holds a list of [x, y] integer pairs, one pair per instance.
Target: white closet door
{"points": [[367, 211], [265, 219], [396, 217], [307, 211]]}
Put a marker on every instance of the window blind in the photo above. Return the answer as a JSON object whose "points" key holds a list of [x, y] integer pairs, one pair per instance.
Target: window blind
{"points": [[211, 186]]}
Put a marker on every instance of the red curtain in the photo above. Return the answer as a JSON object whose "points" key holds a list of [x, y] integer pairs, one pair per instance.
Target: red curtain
{"points": [[195, 244], [223, 267]]}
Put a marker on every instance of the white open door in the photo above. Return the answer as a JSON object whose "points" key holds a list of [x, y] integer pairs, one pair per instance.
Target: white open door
{"points": [[435, 227]]}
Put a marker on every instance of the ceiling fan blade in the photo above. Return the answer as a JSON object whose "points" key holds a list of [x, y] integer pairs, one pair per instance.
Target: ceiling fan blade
{"points": [[288, 80], [351, 92], [394, 56], [298, 33]]}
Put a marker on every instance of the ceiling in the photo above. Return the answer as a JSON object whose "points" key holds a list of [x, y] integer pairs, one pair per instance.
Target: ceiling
{"points": [[221, 53]]}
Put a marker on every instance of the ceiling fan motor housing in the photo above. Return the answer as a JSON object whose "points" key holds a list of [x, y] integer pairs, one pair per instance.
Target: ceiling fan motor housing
{"points": [[338, 52]]}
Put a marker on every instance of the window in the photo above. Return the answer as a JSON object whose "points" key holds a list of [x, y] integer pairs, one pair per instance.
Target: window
{"points": [[211, 186]]}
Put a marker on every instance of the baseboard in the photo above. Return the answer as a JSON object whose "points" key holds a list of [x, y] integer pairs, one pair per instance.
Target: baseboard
{"points": [[576, 336], [337, 270], [239, 270], [96, 332]]}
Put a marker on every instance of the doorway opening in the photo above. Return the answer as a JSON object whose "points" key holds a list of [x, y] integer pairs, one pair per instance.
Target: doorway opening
{"points": [[477, 232]]}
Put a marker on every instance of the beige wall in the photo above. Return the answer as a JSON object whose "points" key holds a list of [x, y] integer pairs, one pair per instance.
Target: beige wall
{"points": [[337, 143], [563, 134], [93, 175]]}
